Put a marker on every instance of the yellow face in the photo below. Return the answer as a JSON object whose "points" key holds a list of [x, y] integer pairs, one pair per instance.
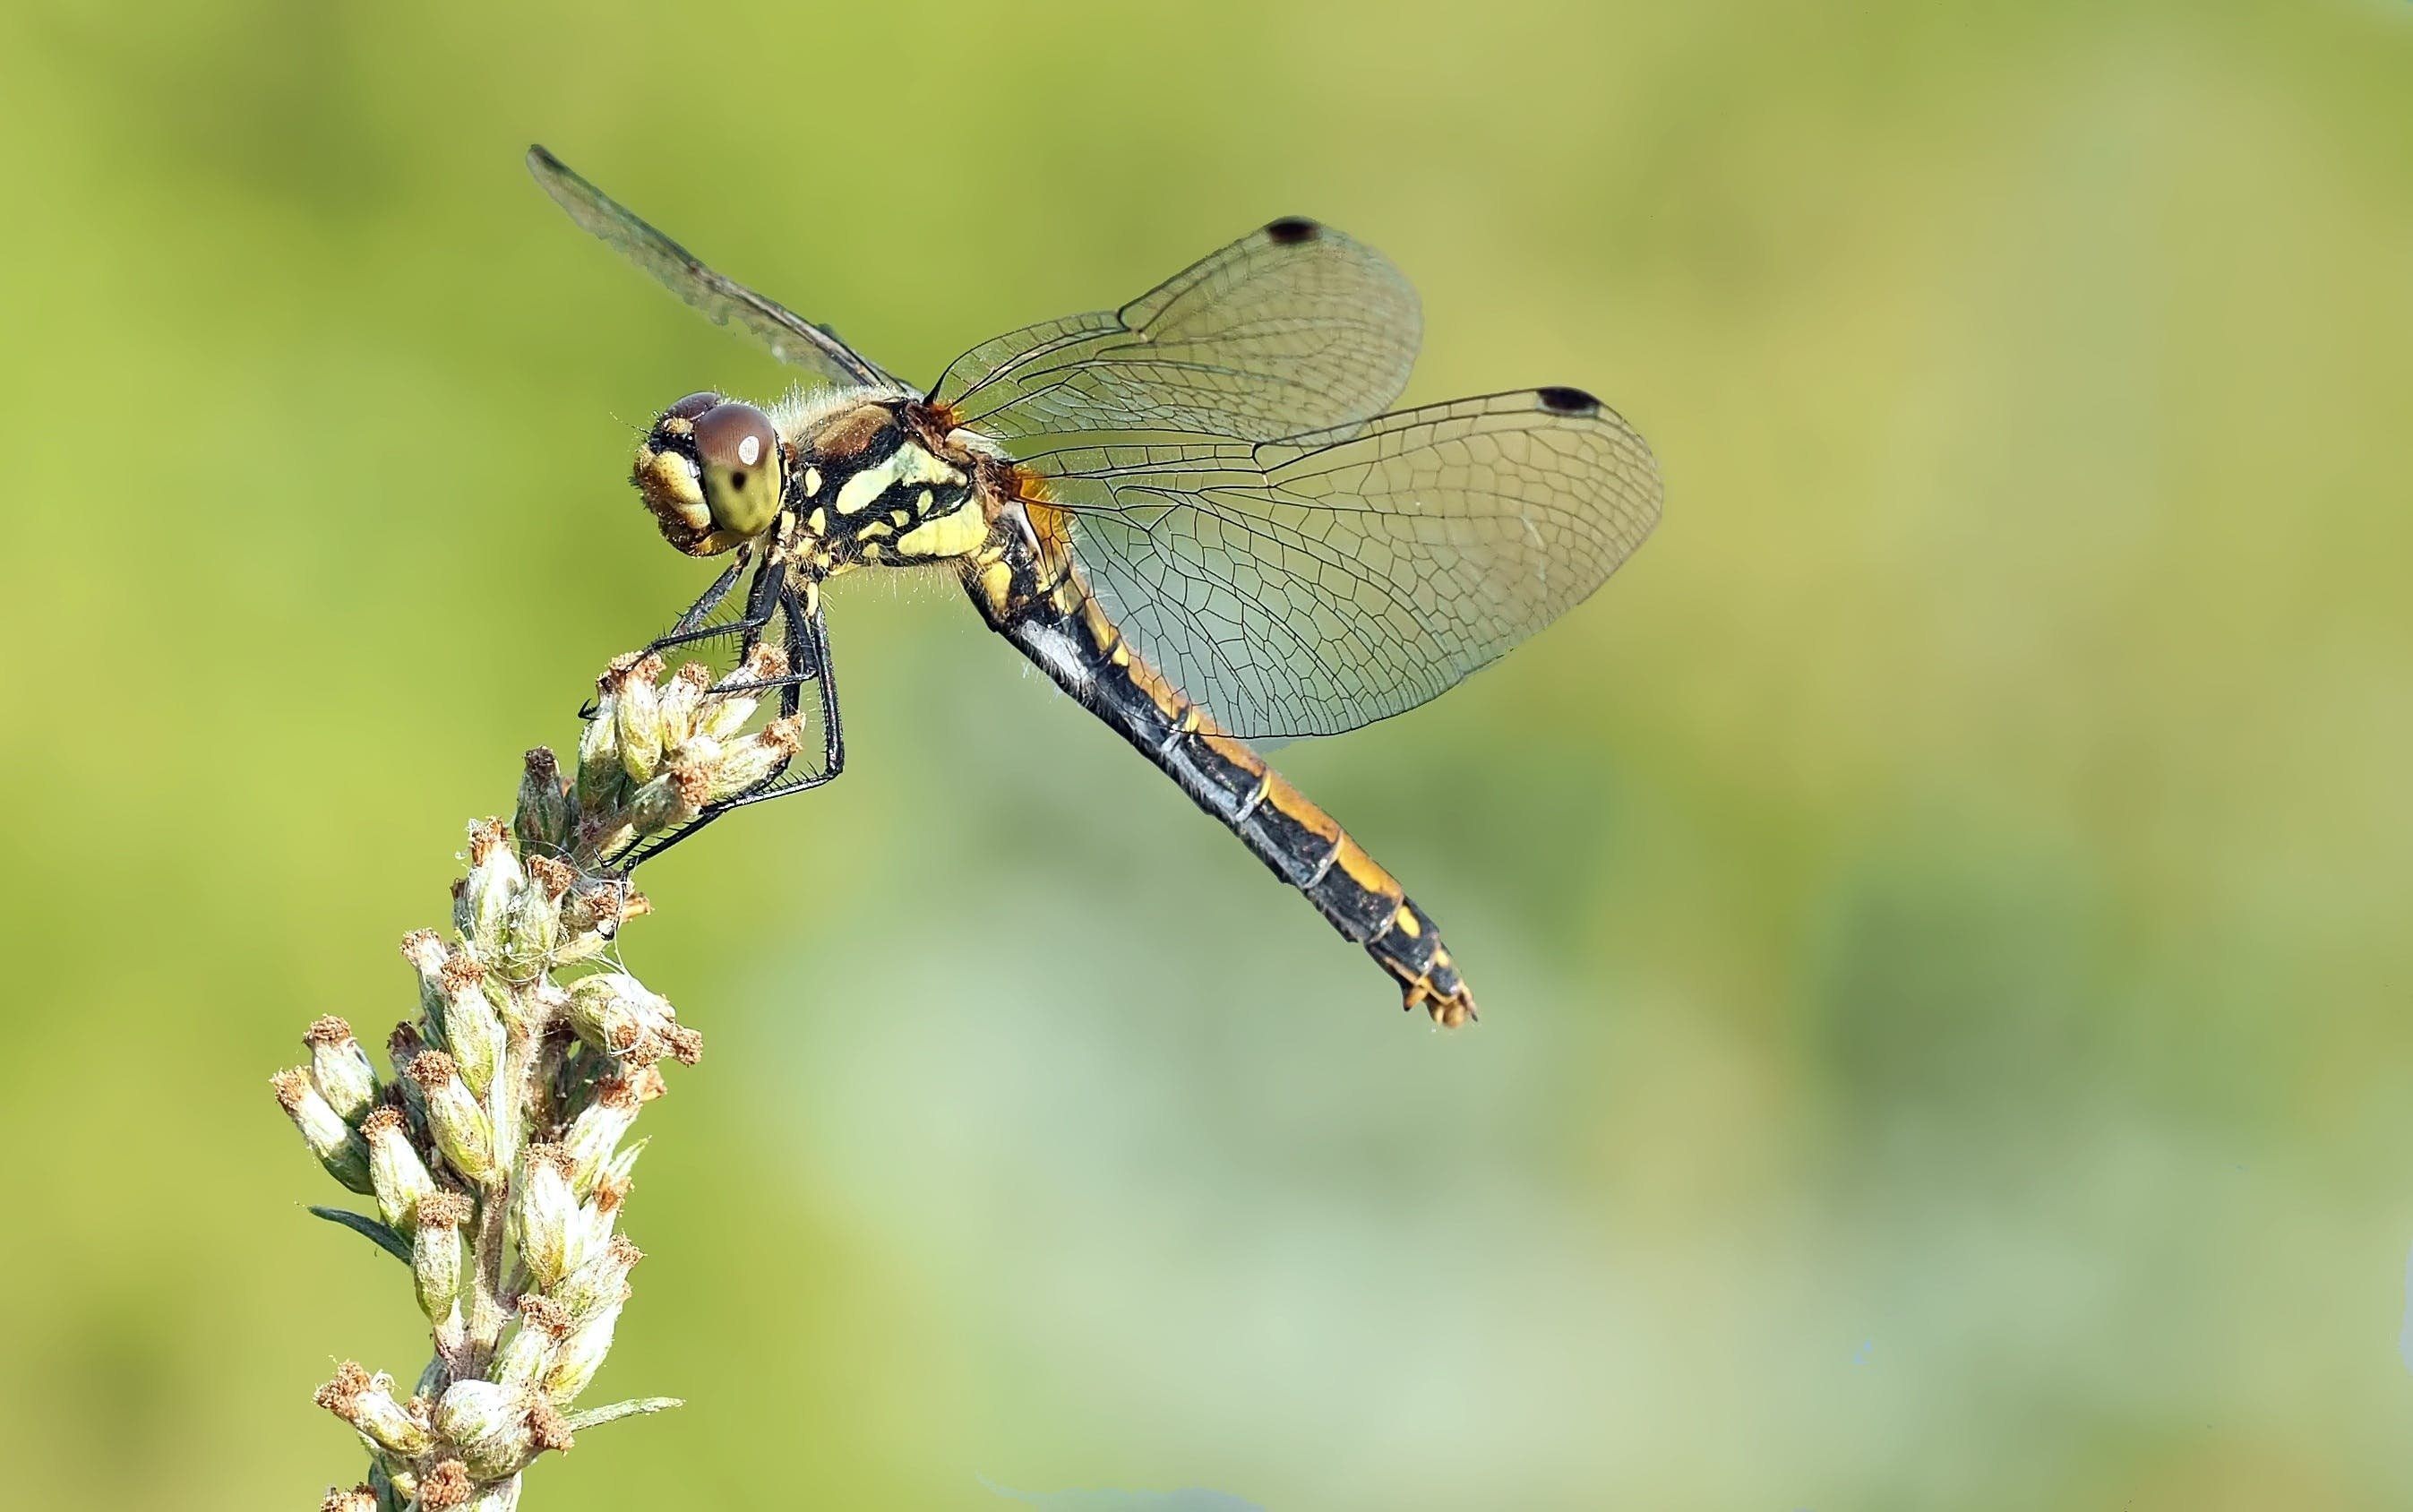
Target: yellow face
{"points": [[713, 471]]}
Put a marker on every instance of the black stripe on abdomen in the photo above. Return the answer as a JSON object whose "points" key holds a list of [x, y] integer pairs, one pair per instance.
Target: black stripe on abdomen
{"points": [[1300, 843]]}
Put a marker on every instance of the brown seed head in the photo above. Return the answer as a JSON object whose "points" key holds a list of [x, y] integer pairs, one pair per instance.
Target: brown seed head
{"points": [[555, 1157], [553, 876], [547, 1427], [545, 1315], [432, 1069], [341, 1395], [461, 972], [486, 836], [686, 1045], [291, 1087], [446, 1486], [618, 1093], [444, 1209], [383, 1118]]}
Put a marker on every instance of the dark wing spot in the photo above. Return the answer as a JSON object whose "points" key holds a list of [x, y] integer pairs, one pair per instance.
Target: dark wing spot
{"points": [[1291, 230], [1560, 400]]}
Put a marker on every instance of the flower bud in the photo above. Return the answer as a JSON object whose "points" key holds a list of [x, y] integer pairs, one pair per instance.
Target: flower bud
{"points": [[366, 1401], [670, 799], [436, 1252], [639, 715], [425, 953], [531, 930], [599, 776], [494, 880], [682, 699], [597, 1130], [756, 758], [600, 1283], [543, 1325], [701, 753], [445, 1488], [502, 1496], [459, 1125], [541, 821], [547, 1213], [404, 1046], [361, 1498], [554, 876], [581, 1355], [486, 1424], [599, 905], [398, 1174], [341, 1069], [473, 1030], [725, 714], [338, 1147], [613, 1012]]}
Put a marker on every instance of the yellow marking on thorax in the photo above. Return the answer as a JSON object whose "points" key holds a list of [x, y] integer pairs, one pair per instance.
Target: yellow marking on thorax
{"points": [[910, 464], [952, 534], [997, 586]]}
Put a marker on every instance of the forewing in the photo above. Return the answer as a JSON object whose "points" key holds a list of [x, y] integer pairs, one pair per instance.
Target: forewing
{"points": [[1294, 326], [1309, 585], [789, 336]]}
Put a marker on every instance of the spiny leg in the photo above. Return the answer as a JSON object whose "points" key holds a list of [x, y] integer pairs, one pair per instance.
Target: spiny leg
{"points": [[808, 660], [761, 601], [689, 628]]}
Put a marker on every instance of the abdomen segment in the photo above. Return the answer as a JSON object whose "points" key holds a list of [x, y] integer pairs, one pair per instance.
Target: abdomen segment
{"points": [[1080, 649]]}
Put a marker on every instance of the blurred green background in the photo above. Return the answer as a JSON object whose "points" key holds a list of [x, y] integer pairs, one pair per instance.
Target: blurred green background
{"points": [[1941, 915]]}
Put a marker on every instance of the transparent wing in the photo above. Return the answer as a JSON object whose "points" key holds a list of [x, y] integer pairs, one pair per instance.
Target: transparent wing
{"points": [[1309, 585], [789, 336], [1293, 325]]}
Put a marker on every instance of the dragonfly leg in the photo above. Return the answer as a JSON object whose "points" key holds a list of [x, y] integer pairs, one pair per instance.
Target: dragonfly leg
{"points": [[808, 661], [762, 600], [689, 628]]}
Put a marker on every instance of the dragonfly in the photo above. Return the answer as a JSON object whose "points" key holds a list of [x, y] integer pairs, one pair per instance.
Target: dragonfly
{"points": [[1196, 514]]}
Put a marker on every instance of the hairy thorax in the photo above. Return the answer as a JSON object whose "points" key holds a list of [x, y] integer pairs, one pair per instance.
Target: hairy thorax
{"points": [[884, 480]]}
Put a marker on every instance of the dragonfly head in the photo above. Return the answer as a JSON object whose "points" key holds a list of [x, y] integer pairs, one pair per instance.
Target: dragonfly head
{"points": [[713, 471]]}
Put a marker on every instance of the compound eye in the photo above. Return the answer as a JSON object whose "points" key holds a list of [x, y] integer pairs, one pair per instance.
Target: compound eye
{"points": [[692, 406], [739, 453]]}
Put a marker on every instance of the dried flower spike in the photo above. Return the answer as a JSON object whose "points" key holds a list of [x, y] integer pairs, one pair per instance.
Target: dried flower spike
{"points": [[498, 1150]]}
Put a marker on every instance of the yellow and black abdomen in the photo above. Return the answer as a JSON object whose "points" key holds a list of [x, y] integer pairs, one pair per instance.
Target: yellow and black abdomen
{"points": [[1066, 633]]}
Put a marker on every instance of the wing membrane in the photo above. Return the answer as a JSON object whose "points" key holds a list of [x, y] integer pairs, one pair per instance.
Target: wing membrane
{"points": [[1293, 325], [789, 336], [1308, 585]]}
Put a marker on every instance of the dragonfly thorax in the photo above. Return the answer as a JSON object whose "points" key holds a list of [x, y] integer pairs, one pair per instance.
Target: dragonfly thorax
{"points": [[874, 482]]}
